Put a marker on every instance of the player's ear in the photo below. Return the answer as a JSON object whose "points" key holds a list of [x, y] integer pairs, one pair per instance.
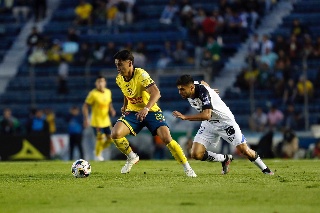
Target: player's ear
{"points": [[130, 63]]}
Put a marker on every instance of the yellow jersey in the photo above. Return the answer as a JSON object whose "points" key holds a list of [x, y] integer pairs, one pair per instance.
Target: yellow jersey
{"points": [[135, 90], [100, 103]]}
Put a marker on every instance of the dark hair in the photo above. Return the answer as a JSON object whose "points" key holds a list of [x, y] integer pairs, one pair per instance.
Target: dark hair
{"points": [[124, 55], [184, 80], [100, 76]]}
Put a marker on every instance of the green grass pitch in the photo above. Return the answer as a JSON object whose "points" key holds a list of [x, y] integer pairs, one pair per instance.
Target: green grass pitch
{"points": [[160, 186]]}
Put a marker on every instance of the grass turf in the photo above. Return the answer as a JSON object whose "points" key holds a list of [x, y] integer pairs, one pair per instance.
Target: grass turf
{"points": [[160, 186]]}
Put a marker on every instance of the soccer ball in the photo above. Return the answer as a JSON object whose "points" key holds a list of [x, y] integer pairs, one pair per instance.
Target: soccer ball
{"points": [[81, 168]]}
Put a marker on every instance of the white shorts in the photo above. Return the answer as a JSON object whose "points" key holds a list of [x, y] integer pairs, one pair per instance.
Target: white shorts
{"points": [[210, 132]]}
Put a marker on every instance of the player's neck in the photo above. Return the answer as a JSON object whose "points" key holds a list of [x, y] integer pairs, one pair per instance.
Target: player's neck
{"points": [[129, 76]]}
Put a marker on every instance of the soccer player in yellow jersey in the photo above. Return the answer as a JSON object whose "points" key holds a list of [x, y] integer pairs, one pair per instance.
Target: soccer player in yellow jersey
{"points": [[140, 110], [100, 101]]}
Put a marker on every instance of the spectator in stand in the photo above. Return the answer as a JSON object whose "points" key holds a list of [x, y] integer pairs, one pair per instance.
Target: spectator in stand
{"points": [[207, 63], [180, 54], [109, 52], [298, 29], [258, 120], [40, 9], [83, 13], [37, 122], [51, 120], [293, 119], [209, 25], [140, 58], [269, 59], [84, 54], [75, 121], [9, 125], [186, 14], [72, 35], [266, 43], [129, 12], [54, 53], [254, 46], [316, 49], [304, 86], [99, 13], [21, 10], [290, 144], [220, 23], [199, 40], [290, 92], [294, 47], [113, 16], [199, 17], [280, 45], [63, 72], [33, 39], [214, 46], [169, 12], [307, 47], [166, 56], [275, 117], [97, 54]]}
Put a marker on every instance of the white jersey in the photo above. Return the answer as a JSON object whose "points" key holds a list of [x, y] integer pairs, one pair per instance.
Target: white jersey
{"points": [[222, 122], [207, 98]]}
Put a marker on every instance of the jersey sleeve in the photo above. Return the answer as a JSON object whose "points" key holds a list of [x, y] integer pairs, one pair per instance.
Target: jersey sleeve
{"points": [[205, 98], [146, 80], [89, 99]]}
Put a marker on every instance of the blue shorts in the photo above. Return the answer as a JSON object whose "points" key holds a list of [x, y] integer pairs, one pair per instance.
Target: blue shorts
{"points": [[153, 121], [104, 130]]}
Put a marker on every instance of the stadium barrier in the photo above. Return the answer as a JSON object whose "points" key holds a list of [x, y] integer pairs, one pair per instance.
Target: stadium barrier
{"points": [[25, 147]]}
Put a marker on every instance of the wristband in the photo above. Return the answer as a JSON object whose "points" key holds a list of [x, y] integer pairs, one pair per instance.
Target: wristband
{"points": [[146, 108]]}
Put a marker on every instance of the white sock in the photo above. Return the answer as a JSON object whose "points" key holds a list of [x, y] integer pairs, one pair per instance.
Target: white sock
{"points": [[186, 166], [259, 163], [132, 154], [215, 157]]}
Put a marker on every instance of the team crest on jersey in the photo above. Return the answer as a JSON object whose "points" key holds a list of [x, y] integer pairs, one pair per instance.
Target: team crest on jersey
{"points": [[230, 130]]}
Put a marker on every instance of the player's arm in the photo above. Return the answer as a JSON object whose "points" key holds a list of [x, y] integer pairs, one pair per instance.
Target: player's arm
{"points": [[206, 84], [112, 110], [154, 95], [125, 104], [85, 112], [154, 92], [202, 116]]}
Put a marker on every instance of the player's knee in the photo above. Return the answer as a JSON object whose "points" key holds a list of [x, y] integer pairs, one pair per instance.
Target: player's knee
{"points": [[116, 134]]}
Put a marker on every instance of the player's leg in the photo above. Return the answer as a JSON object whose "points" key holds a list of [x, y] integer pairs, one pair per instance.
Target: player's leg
{"points": [[205, 137], [175, 149], [100, 138], [108, 140], [124, 126], [234, 135], [254, 157]]}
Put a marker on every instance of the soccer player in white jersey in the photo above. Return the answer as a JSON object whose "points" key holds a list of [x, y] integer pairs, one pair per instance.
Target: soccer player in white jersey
{"points": [[217, 121]]}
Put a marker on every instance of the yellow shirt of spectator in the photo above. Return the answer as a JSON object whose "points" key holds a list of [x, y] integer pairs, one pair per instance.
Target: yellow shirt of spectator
{"points": [[100, 103], [135, 90], [84, 11]]}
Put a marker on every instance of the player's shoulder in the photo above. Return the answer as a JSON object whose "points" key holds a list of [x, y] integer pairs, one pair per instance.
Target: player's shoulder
{"points": [[141, 72]]}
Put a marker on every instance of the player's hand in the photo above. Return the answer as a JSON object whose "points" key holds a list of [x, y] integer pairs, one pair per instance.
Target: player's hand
{"points": [[123, 110], [217, 91], [204, 83], [141, 115], [113, 112], [86, 123], [178, 115]]}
